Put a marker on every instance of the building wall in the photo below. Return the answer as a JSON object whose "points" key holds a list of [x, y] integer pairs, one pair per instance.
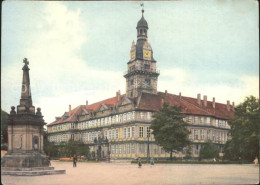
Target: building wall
{"points": [[128, 128]]}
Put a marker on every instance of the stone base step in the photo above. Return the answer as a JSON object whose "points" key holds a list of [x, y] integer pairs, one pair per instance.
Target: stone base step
{"points": [[26, 169], [33, 173]]}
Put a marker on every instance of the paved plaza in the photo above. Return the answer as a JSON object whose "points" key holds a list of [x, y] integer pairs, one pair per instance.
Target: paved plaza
{"points": [[125, 173]]}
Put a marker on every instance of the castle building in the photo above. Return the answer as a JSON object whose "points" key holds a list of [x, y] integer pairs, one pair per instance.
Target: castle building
{"points": [[119, 127]]}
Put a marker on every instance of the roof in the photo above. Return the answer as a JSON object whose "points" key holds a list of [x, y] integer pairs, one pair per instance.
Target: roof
{"points": [[142, 22], [72, 115], [154, 102]]}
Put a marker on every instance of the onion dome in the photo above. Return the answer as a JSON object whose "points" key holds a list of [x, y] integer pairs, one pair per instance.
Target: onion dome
{"points": [[142, 22]]}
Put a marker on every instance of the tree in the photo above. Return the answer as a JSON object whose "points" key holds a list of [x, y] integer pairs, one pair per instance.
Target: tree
{"points": [[4, 117], [50, 148], [169, 129], [76, 148], [209, 151], [244, 131]]}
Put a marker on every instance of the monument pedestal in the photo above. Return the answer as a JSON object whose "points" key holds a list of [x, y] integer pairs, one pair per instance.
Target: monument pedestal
{"points": [[25, 160]]}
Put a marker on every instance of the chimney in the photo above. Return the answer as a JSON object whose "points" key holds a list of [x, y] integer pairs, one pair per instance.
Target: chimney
{"points": [[198, 99], [118, 95], [86, 102], [166, 92], [180, 95], [162, 102], [233, 106], [69, 109], [205, 100], [213, 103], [228, 105]]}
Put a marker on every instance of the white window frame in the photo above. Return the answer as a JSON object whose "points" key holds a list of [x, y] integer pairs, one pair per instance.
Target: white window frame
{"points": [[148, 115], [133, 115], [141, 131], [141, 115]]}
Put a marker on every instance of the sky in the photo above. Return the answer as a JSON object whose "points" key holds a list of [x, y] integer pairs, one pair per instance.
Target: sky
{"points": [[79, 51]]}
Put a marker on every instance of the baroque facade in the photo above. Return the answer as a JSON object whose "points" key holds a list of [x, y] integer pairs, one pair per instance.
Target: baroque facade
{"points": [[123, 121]]}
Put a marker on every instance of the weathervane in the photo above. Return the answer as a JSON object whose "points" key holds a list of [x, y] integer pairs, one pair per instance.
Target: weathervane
{"points": [[142, 5]]}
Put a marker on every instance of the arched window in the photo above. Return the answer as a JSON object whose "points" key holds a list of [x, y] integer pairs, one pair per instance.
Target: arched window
{"points": [[141, 31]]}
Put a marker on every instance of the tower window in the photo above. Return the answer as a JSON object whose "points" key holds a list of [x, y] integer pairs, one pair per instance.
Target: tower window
{"points": [[141, 31], [131, 93], [146, 66], [132, 82]]}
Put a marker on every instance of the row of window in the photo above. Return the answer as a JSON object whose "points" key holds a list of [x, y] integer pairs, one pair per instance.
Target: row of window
{"points": [[206, 121], [202, 134], [130, 148], [123, 148], [198, 120], [222, 123], [58, 138], [63, 126], [111, 134], [86, 137], [113, 119]]}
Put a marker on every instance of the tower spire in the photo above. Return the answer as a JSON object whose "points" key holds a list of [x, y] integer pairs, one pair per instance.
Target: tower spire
{"points": [[26, 99], [142, 5]]}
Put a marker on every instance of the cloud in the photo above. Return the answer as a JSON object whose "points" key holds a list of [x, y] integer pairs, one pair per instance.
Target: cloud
{"points": [[64, 42], [177, 80], [59, 76]]}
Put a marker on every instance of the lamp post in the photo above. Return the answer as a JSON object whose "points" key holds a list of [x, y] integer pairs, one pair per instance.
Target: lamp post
{"points": [[148, 149]]}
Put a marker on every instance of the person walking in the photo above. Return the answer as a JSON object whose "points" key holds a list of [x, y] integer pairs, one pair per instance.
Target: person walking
{"points": [[74, 161], [49, 161], [139, 163], [151, 162]]}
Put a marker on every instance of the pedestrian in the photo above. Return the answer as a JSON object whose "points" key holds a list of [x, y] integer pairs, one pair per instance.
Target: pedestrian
{"points": [[151, 162], [256, 161], [74, 161], [139, 163], [49, 161]]}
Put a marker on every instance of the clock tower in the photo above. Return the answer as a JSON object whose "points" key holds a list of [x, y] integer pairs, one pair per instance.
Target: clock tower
{"points": [[141, 75]]}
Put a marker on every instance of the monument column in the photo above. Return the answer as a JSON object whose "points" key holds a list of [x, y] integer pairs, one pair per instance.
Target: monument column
{"points": [[25, 146]]}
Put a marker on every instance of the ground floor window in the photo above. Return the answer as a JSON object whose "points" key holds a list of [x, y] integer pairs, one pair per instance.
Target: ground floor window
{"points": [[113, 149], [128, 148], [141, 148], [133, 148]]}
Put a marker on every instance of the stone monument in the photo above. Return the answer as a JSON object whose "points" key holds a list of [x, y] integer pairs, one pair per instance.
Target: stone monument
{"points": [[25, 136]]}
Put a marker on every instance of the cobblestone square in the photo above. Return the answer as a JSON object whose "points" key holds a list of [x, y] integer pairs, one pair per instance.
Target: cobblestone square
{"points": [[125, 173]]}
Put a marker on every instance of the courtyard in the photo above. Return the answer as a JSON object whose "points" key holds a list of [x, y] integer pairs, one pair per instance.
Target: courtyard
{"points": [[125, 173]]}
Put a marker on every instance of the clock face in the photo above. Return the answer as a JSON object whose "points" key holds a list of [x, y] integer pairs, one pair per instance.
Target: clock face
{"points": [[132, 54], [147, 54], [146, 83]]}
